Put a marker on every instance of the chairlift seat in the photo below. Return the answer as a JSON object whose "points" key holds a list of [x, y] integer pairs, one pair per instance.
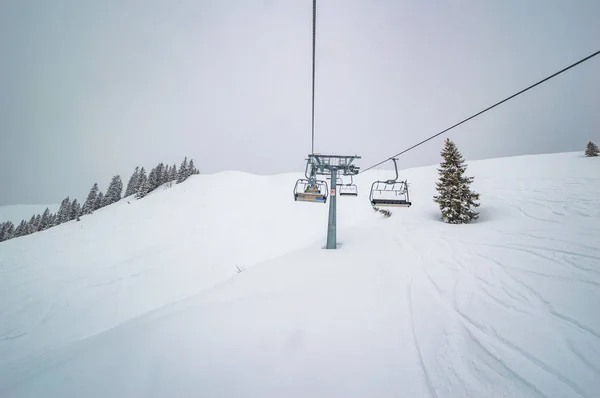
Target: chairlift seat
{"points": [[390, 203], [310, 197], [348, 190]]}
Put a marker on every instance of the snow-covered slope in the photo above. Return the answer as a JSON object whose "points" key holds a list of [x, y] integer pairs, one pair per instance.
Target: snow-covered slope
{"points": [[16, 213], [408, 306]]}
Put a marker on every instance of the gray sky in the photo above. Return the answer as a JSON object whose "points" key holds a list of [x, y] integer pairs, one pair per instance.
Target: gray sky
{"points": [[91, 89]]}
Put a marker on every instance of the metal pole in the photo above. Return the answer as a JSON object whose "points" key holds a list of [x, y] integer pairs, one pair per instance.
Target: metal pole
{"points": [[331, 225]]}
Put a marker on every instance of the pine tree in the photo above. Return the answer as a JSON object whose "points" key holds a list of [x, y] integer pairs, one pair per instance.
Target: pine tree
{"points": [[455, 198], [591, 149], [182, 175], [146, 186], [75, 210], [30, 227], [45, 221], [164, 177], [37, 223], [21, 229], [143, 182], [173, 173], [90, 203], [53, 218], [113, 193], [4, 231], [153, 179], [9, 233], [191, 168], [159, 174], [99, 201], [64, 212], [132, 185]]}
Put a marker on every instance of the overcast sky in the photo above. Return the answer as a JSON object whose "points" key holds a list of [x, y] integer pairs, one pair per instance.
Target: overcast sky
{"points": [[89, 89]]}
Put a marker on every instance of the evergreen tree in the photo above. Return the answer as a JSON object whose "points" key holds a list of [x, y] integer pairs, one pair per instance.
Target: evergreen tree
{"points": [[75, 210], [5, 229], [10, 231], [173, 173], [159, 174], [90, 203], [21, 229], [455, 198], [30, 227], [64, 212], [45, 221], [132, 185], [99, 201], [36, 224], [113, 193], [182, 175], [591, 149], [53, 218], [153, 179], [191, 168], [143, 181], [145, 188], [164, 177]]}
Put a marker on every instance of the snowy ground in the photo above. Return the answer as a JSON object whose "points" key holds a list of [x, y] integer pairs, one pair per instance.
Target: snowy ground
{"points": [[143, 299]]}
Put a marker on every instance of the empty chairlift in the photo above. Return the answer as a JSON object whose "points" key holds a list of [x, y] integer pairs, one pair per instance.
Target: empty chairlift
{"points": [[390, 193], [349, 189]]}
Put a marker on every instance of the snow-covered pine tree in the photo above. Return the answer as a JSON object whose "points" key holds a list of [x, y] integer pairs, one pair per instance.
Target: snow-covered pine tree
{"points": [[142, 181], [113, 193], [145, 188], [64, 212], [151, 181], [4, 227], [30, 227], [160, 171], [37, 223], [173, 173], [9, 233], [191, 168], [455, 199], [182, 175], [99, 200], [21, 229], [591, 149], [90, 203], [45, 220], [75, 210], [165, 174], [132, 184]]}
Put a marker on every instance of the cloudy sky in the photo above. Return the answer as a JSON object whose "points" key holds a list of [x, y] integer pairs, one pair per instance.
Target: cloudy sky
{"points": [[89, 89]]}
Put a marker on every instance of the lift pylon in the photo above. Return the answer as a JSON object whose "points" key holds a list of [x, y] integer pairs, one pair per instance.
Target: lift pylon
{"points": [[330, 166]]}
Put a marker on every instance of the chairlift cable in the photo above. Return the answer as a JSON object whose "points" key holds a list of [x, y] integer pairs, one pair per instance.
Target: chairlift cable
{"points": [[486, 109], [314, 23]]}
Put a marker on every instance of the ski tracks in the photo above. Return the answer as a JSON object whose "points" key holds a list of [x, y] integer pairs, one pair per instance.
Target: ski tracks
{"points": [[504, 294]]}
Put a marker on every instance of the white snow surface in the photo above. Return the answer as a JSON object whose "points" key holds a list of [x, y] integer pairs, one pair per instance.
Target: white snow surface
{"points": [[143, 299], [16, 213]]}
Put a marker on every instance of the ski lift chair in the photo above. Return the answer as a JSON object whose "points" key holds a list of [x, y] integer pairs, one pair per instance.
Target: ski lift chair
{"points": [[349, 189], [308, 190], [390, 193]]}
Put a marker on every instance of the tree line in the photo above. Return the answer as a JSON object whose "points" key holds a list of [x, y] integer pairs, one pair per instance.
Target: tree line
{"points": [[140, 184]]}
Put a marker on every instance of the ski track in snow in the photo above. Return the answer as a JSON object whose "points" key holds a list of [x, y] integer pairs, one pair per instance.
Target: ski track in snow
{"points": [[407, 306]]}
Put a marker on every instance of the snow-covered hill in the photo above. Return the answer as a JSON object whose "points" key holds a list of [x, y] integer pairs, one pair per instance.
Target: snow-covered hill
{"points": [[143, 298]]}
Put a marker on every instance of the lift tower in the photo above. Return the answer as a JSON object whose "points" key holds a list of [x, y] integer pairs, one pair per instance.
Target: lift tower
{"points": [[332, 165]]}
